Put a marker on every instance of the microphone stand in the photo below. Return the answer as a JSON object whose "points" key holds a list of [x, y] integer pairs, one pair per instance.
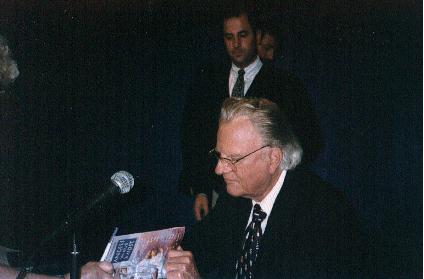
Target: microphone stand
{"points": [[122, 182], [74, 263], [72, 220]]}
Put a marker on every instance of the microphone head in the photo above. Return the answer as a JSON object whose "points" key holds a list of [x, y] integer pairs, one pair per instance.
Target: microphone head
{"points": [[123, 180]]}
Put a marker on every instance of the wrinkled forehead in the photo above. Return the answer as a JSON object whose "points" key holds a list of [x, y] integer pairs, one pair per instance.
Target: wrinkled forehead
{"points": [[236, 135]]}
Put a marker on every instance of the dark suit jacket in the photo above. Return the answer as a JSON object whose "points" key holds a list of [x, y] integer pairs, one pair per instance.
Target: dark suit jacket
{"points": [[311, 233], [202, 109]]}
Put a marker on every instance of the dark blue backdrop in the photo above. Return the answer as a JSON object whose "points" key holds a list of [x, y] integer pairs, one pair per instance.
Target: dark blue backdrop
{"points": [[103, 85]]}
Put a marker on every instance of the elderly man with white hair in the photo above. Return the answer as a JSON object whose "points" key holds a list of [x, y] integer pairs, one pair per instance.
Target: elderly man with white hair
{"points": [[275, 220]]}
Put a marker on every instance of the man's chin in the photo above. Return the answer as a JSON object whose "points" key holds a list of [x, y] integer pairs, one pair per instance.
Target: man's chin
{"points": [[238, 61], [232, 191]]}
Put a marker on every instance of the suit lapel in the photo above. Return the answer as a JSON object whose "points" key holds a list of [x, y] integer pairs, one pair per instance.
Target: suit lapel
{"points": [[239, 210], [223, 81], [257, 82], [244, 213], [262, 85], [278, 234]]}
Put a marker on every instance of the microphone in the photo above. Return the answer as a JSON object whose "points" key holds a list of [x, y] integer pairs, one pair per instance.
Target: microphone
{"points": [[121, 182], [124, 180]]}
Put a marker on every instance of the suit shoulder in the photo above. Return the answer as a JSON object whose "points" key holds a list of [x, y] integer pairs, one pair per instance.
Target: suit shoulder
{"points": [[278, 72], [317, 191]]}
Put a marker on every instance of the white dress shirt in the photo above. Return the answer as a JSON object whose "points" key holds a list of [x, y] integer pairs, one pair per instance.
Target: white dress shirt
{"points": [[268, 202], [250, 73]]}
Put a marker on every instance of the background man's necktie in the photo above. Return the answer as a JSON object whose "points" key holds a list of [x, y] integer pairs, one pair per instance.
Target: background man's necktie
{"points": [[246, 261], [238, 89]]}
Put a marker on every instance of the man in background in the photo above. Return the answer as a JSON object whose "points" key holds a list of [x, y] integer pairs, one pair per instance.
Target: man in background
{"points": [[245, 75], [269, 43]]}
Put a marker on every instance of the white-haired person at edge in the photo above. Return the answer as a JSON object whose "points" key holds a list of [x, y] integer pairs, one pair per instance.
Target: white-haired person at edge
{"points": [[8, 109], [8, 66], [9, 129]]}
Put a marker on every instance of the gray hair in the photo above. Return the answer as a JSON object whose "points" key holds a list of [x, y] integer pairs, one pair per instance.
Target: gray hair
{"points": [[8, 67], [270, 122]]}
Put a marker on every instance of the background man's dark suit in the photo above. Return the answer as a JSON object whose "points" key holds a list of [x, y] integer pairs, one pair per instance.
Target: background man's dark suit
{"points": [[311, 233], [201, 115]]}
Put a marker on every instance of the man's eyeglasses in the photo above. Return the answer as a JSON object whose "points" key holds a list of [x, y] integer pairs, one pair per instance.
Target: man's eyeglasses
{"points": [[231, 162]]}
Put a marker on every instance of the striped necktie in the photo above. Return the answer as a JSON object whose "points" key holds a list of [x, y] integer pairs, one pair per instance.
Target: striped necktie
{"points": [[246, 261], [238, 89]]}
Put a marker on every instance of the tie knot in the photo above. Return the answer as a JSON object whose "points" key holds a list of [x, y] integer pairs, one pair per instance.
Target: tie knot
{"points": [[258, 214], [241, 72]]}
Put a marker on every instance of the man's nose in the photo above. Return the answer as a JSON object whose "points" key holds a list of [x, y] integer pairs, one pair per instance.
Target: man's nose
{"points": [[236, 42], [221, 168]]}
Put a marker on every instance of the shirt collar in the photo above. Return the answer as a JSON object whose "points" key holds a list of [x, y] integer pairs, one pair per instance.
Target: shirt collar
{"points": [[268, 202], [253, 68]]}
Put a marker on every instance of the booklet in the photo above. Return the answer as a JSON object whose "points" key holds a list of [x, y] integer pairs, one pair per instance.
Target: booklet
{"points": [[142, 255]]}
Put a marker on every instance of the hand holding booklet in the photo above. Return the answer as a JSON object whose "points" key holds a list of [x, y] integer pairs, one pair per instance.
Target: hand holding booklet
{"points": [[142, 255]]}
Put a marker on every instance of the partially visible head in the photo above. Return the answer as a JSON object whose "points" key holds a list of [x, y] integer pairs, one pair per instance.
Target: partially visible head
{"points": [[269, 44], [8, 67], [271, 27], [239, 30], [259, 127]]}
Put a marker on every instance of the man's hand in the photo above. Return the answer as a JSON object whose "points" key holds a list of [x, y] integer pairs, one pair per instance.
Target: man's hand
{"points": [[96, 270], [201, 206], [180, 264]]}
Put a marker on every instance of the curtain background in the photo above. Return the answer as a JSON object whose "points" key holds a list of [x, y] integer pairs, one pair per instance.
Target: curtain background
{"points": [[102, 89]]}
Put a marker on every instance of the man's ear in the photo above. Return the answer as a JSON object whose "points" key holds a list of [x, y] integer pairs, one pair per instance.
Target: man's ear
{"points": [[276, 156]]}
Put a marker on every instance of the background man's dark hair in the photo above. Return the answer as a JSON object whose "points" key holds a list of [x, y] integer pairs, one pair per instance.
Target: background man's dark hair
{"points": [[239, 8], [270, 25]]}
